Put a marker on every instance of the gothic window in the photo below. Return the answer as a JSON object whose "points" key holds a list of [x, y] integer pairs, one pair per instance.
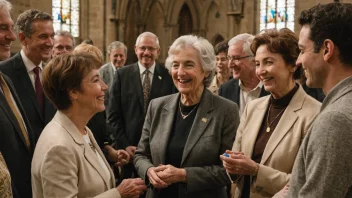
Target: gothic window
{"points": [[66, 16], [277, 14]]}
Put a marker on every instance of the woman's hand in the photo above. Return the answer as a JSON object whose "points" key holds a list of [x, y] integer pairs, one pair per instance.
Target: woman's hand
{"points": [[131, 188], [123, 158], [238, 163], [282, 193], [171, 174], [154, 179]]}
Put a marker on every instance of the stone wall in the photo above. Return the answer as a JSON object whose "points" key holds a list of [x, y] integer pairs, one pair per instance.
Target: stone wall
{"points": [[105, 21]]}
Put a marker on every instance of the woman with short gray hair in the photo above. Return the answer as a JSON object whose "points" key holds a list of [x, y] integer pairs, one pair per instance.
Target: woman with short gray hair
{"points": [[185, 133]]}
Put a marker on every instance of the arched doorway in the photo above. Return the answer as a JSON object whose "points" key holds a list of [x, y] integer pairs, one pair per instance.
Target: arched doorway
{"points": [[185, 21]]}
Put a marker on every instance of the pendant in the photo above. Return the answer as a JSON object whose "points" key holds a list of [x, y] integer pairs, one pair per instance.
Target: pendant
{"points": [[268, 129], [184, 116]]}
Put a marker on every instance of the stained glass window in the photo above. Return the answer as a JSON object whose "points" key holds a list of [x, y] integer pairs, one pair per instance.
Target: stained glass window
{"points": [[66, 16], [277, 14]]}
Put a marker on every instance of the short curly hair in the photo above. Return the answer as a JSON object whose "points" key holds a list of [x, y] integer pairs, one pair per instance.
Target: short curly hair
{"points": [[221, 47], [284, 42], [25, 20], [64, 73], [331, 21]]}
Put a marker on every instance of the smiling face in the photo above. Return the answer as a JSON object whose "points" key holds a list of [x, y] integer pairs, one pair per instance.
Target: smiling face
{"points": [[6, 34], [312, 63], [276, 75], [38, 46], [147, 51], [62, 45], [187, 72], [244, 68], [118, 57], [222, 64], [92, 93]]}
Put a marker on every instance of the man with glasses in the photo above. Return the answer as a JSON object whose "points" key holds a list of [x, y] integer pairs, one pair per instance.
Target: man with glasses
{"points": [[132, 89], [245, 85], [63, 43]]}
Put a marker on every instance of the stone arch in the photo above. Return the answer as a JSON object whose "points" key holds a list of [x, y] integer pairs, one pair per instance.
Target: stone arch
{"points": [[175, 8], [155, 23], [215, 16], [185, 21], [216, 39], [132, 30]]}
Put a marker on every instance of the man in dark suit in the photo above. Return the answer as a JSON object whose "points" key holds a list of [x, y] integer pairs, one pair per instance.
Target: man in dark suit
{"points": [[25, 68], [16, 137], [245, 85], [133, 88]]}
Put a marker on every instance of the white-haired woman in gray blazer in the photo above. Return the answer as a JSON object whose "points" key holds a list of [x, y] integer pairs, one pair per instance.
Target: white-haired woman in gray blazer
{"points": [[185, 133]]}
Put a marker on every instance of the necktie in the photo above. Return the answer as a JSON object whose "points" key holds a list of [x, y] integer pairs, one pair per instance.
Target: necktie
{"points": [[146, 89], [39, 89], [15, 111]]}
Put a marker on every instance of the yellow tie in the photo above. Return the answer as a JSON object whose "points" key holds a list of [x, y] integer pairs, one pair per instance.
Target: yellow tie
{"points": [[7, 95]]}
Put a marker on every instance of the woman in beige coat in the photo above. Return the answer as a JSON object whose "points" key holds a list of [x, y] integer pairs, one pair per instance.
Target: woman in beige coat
{"points": [[67, 161], [273, 127]]}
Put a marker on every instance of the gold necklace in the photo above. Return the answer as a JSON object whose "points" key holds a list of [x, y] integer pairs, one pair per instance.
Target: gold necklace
{"points": [[183, 115], [267, 119]]}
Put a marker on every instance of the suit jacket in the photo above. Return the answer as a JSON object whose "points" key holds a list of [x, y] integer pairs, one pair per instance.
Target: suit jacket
{"points": [[126, 111], [15, 69], [107, 75], [13, 147], [231, 91], [212, 132], [280, 152], [64, 165]]}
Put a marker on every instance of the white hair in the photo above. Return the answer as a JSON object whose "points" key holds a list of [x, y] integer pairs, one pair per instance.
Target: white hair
{"points": [[117, 45], [148, 34], [5, 5], [202, 46], [247, 41]]}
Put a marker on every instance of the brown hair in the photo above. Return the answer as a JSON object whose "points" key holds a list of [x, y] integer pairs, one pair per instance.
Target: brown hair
{"points": [[64, 73], [284, 42], [90, 49]]}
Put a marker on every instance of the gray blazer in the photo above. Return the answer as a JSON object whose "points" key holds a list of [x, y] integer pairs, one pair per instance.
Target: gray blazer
{"points": [[213, 132], [107, 75]]}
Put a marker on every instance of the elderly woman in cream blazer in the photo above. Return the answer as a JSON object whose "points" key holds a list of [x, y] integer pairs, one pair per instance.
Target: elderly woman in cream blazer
{"points": [[67, 161], [273, 127]]}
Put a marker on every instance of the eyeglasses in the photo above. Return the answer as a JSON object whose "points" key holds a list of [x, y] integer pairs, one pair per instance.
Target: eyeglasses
{"points": [[230, 58], [144, 48]]}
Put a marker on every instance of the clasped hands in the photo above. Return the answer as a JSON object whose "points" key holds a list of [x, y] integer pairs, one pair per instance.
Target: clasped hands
{"points": [[238, 164], [165, 175]]}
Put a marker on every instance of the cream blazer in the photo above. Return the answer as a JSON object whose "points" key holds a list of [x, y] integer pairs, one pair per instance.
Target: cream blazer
{"points": [[64, 165], [281, 150]]}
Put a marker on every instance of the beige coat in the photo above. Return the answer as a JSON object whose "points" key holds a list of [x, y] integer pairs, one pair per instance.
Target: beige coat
{"points": [[64, 165], [282, 147]]}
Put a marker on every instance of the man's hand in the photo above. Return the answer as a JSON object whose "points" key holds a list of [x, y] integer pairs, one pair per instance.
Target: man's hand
{"points": [[154, 178], [171, 174], [130, 150], [131, 188], [122, 158]]}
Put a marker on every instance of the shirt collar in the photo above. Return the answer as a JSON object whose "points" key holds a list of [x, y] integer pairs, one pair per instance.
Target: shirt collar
{"points": [[113, 67], [142, 68], [259, 86], [29, 64]]}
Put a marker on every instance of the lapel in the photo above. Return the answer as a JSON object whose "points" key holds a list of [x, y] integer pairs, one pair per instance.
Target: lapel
{"points": [[89, 154], [157, 81], [99, 168], [11, 117], [285, 124], [235, 94], [200, 122], [168, 118], [135, 77], [26, 84], [250, 133]]}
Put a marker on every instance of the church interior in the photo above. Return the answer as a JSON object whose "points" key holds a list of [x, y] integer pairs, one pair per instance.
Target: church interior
{"points": [[105, 21]]}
